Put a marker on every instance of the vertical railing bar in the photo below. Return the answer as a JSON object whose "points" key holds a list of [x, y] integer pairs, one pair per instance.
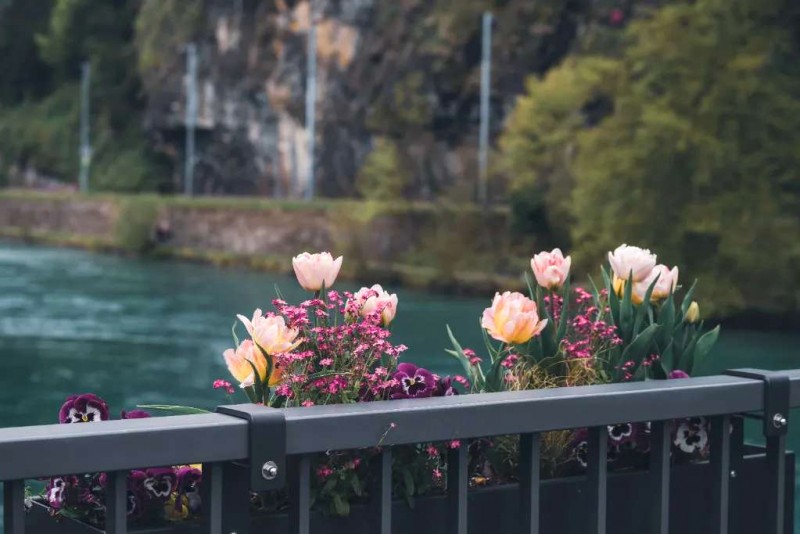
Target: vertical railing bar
{"points": [[211, 488], [597, 478], [381, 493], [660, 447], [721, 471], [776, 468], [529, 478], [117, 502], [14, 507], [300, 487], [457, 486]]}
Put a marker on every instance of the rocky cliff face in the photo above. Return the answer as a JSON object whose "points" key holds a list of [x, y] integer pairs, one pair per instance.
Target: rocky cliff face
{"points": [[405, 70]]}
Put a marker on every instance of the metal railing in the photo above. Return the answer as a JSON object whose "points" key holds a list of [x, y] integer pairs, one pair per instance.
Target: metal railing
{"points": [[246, 447]]}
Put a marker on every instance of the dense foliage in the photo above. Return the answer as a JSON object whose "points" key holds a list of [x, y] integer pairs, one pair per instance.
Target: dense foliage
{"points": [[685, 136]]}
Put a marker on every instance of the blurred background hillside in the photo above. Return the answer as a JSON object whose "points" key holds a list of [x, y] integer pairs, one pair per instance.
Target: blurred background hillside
{"points": [[668, 124]]}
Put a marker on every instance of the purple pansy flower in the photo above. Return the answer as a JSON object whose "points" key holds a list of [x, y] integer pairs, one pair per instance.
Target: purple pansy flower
{"points": [[134, 414], [677, 373], [136, 493], [444, 388], [84, 408], [691, 435], [413, 382], [56, 492], [160, 482]]}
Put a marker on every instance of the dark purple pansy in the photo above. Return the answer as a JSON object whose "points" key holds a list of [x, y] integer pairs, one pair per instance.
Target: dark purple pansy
{"points": [[413, 382], [134, 414], [85, 408], [189, 479], [136, 493], [160, 482], [444, 388], [56, 492], [677, 373]]}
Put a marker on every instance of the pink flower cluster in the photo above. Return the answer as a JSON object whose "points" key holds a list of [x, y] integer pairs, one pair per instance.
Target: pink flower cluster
{"points": [[588, 335], [343, 356]]}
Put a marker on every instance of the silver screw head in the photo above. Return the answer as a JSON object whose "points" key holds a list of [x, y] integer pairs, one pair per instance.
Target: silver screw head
{"points": [[733, 474], [269, 470], [778, 420]]}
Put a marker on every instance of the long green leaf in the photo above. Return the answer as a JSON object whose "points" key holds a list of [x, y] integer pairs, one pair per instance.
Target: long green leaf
{"points": [[666, 318], [626, 311], [643, 307], [640, 346], [258, 385], [562, 323], [687, 299], [233, 333], [704, 345], [613, 299], [174, 408]]}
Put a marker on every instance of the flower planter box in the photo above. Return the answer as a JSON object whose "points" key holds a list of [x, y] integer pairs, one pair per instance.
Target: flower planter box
{"points": [[563, 507]]}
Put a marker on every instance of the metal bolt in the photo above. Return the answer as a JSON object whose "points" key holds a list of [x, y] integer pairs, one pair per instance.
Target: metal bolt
{"points": [[733, 473], [778, 420], [269, 470]]}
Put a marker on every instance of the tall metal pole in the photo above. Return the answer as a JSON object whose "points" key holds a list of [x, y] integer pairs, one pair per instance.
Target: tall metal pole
{"points": [[311, 100], [85, 150], [191, 117], [486, 73]]}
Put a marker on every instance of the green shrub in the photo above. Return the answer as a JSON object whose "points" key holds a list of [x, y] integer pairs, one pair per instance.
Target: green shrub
{"points": [[135, 224], [382, 177]]}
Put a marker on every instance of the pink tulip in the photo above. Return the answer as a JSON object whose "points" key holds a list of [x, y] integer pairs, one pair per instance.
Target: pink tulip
{"points": [[271, 333], [513, 318], [626, 260], [551, 269], [665, 286], [368, 300], [314, 270]]}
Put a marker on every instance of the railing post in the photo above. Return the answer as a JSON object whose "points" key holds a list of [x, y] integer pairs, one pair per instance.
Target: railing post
{"points": [[597, 476], [775, 425], [14, 507]]}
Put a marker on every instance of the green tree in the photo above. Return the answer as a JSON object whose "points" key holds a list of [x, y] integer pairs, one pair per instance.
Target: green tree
{"points": [[694, 153], [25, 74], [382, 177]]}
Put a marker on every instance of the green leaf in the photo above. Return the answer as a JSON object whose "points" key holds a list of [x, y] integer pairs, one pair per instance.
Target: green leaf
{"points": [[258, 385], [408, 482], [356, 483], [562, 324], [233, 333], [687, 299], [529, 282], [457, 351], [640, 345], [613, 299], [626, 311], [644, 307], [667, 356], [666, 317], [340, 505], [704, 345], [174, 408]]}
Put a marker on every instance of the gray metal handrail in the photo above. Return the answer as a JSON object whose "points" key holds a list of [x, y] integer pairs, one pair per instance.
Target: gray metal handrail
{"points": [[219, 439]]}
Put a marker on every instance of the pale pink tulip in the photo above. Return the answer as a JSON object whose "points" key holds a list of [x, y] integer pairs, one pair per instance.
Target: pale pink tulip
{"points": [[551, 269], [626, 260], [665, 286], [513, 318], [368, 300], [271, 333], [314, 270]]}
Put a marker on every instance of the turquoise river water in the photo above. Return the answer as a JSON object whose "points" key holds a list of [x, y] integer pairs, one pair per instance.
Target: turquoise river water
{"points": [[152, 332]]}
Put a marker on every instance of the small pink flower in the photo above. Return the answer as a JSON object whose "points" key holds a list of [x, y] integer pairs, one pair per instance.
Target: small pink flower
{"points": [[308, 403], [551, 269], [224, 384], [325, 362], [454, 444]]}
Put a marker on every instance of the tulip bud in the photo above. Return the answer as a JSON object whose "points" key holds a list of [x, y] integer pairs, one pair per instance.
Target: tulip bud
{"points": [[693, 313]]}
